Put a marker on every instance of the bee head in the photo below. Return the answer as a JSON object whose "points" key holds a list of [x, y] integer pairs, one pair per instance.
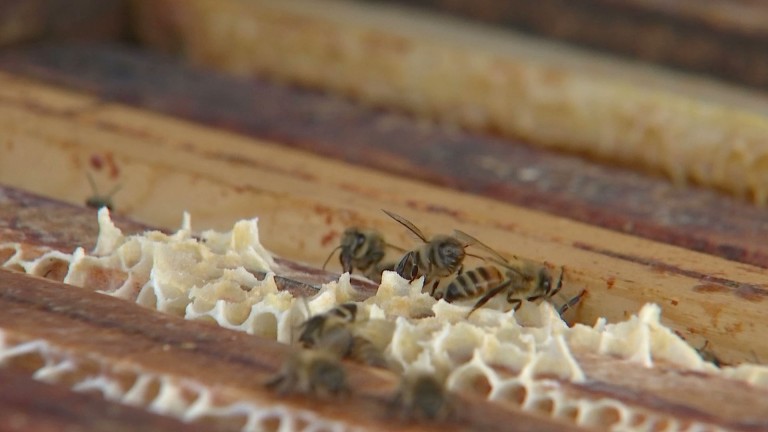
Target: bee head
{"points": [[352, 246], [450, 253]]}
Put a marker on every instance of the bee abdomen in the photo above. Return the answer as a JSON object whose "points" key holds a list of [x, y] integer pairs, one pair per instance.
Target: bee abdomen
{"points": [[472, 283]]}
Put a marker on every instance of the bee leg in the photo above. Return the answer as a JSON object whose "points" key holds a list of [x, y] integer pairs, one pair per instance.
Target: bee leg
{"points": [[434, 287], [489, 295], [570, 303], [559, 283]]}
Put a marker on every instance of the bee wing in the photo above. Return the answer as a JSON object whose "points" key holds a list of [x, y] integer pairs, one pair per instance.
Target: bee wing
{"points": [[330, 255], [469, 240], [406, 223], [397, 248]]}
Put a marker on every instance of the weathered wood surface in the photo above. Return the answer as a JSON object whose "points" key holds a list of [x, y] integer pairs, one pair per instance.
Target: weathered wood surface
{"points": [[564, 185], [232, 366], [28, 405], [304, 201], [549, 94], [722, 38], [38, 305]]}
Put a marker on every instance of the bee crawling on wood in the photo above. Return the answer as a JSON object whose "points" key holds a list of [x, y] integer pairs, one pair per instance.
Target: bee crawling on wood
{"points": [[312, 372], [97, 201], [524, 281], [422, 396], [439, 257], [363, 250]]}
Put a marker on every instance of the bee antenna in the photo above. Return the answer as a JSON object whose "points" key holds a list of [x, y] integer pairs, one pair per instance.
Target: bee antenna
{"points": [[330, 255], [93, 183], [114, 190]]}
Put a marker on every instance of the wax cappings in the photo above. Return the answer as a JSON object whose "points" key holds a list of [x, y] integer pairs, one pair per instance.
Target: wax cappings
{"points": [[210, 277]]}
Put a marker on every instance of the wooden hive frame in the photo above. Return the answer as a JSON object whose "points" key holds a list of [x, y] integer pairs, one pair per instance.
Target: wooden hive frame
{"points": [[304, 201]]}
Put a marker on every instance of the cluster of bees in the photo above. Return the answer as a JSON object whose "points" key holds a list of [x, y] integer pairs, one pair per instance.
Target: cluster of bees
{"points": [[316, 369], [441, 258], [334, 335]]}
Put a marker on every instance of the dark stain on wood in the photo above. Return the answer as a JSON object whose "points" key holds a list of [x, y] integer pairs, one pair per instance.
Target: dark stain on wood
{"points": [[710, 288]]}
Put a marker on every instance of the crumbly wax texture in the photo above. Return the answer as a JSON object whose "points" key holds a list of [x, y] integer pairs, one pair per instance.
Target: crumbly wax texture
{"points": [[515, 358]]}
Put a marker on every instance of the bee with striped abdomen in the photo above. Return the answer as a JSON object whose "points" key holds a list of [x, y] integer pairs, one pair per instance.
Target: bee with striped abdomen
{"points": [[338, 332], [315, 372], [363, 250], [422, 396], [525, 281], [439, 257], [329, 328]]}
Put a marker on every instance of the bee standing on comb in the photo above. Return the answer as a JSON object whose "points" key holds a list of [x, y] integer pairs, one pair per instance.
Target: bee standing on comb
{"points": [[439, 257]]}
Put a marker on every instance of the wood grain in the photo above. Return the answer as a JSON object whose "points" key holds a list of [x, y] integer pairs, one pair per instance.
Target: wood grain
{"points": [[232, 366], [665, 392], [510, 171], [725, 39], [691, 130], [304, 201]]}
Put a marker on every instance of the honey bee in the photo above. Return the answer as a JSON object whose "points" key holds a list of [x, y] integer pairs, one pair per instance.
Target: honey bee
{"points": [[364, 351], [571, 303], [439, 257], [422, 396], [330, 328], [527, 281], [98, 201], [363, 250], [336, 331], [315, 372]]}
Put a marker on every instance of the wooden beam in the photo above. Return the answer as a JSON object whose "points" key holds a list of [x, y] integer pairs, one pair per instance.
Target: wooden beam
{"points": [[127, 341], [305, 201], [724, 39], [484, 79], [28, 405], [564, 185], [664, 393]]}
